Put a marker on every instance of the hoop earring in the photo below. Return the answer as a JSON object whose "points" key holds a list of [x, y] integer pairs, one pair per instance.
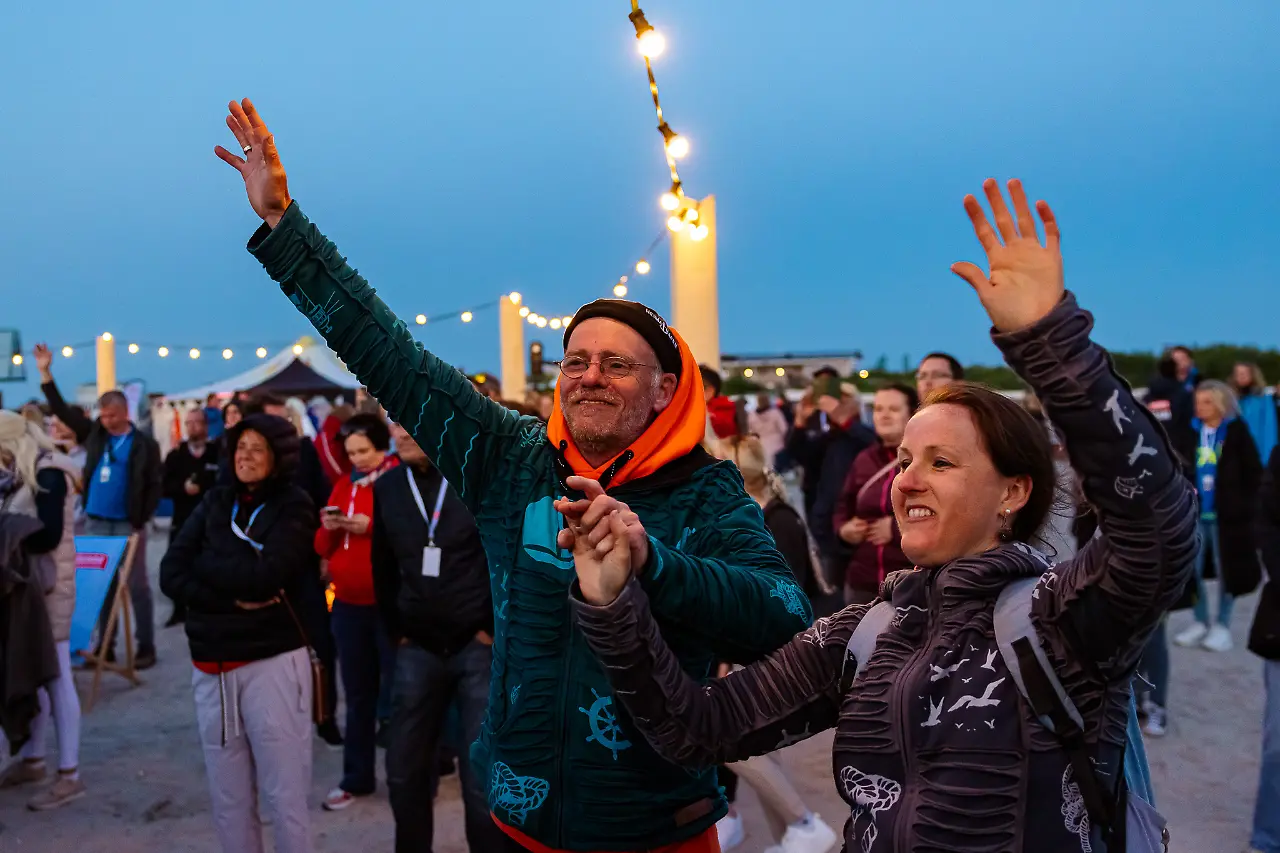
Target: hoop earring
{"points": [[1006, 527]]}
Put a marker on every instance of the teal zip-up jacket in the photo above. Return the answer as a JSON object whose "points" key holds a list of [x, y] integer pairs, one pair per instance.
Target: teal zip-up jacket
{"points": [[564, 764]]}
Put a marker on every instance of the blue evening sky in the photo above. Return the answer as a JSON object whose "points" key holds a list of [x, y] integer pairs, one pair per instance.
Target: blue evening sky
{"points": [[458, 151]]}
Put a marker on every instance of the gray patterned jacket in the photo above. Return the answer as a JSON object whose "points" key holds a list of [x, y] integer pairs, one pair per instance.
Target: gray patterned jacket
{"points": [[935, 749]]}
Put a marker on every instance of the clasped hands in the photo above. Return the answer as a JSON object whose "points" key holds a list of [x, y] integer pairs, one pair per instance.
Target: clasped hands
{"points": [[608, 542]]}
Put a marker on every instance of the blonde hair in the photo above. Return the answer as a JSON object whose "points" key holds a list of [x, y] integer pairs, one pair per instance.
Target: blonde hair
{"points": [[747, 452], [22, 443], [1223, 396]]}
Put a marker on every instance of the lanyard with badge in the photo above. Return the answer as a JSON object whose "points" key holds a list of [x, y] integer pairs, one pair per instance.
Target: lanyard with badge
{"points": [[430, 554], [236, 529], [1209, 441], [104, 471]]}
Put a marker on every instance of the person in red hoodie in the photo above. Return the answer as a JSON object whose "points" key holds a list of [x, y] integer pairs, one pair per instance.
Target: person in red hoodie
{"points": [[333, 458], [722, 411], [365, 652], [864, 513]]}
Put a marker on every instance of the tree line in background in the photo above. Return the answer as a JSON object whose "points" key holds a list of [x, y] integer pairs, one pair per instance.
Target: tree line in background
{"points": [[1215, 361]]}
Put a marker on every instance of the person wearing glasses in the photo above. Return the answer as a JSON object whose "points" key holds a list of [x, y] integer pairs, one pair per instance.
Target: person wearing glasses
{"points": [[240, 565], [366, 656], [563, 764], [937, 370]]}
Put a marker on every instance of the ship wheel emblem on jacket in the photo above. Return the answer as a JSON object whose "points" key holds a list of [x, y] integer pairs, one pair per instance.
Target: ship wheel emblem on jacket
{"points": [[604, 724]]}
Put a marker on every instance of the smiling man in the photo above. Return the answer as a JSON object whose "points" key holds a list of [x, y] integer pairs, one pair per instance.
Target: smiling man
{"points": [[565, 769]]}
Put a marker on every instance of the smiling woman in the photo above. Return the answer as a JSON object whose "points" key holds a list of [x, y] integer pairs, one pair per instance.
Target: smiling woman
{"points": [[975, 481]]}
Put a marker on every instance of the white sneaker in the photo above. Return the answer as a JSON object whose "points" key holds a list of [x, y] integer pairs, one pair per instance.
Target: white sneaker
{"points": [[811, 836], [1155, 726], [1191, 636], [1218, 640], [729, 830]]}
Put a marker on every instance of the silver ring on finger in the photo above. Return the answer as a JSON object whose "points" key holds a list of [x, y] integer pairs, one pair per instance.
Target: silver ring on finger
{"points": [[248, 148]]}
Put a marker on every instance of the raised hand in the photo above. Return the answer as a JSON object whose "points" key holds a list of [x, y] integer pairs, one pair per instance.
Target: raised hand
{"points": [[605, 567], [44, 361], [1025, 281], [264, 178]]}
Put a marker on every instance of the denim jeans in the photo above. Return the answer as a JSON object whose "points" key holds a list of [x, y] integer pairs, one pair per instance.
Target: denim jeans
{"points": [[1154, 666], [1266, 815], [364, 652], [1209, 539], [423, 690], [139, 587]]}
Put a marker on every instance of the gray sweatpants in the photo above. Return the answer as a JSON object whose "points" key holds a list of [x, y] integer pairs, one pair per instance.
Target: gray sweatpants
{"points": [[255, 727]]}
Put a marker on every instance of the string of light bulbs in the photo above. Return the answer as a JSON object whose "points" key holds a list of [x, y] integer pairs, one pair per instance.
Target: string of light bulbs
{"points": [[684, 210]]}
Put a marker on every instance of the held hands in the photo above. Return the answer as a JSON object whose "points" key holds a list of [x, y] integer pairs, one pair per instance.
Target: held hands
{"points": [[607, 540], [1025, 282], [880, 531], [264, 178], [854, 531]]}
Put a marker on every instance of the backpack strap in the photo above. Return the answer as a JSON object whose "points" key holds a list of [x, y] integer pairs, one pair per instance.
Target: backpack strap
{"points": [[863, 642], [1032, 672]]}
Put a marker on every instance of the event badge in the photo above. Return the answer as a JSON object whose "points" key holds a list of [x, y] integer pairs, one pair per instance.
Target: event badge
{"points": [[430, 562], [104, 474]]}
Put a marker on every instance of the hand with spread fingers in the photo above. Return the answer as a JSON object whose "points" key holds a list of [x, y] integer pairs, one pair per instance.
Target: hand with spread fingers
{"points": [[1025, 280], [590, 519], [263, 173]]}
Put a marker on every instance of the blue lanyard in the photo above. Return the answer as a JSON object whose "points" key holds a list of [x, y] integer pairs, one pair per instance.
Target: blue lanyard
{"points": [[235, 528], [114, 443], [435, 515]]}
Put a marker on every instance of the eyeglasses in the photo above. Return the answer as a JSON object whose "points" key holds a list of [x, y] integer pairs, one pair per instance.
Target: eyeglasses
{"points": [[613, 367]]}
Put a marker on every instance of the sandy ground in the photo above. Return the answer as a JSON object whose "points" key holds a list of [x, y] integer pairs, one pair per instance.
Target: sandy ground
{"points": [[141, 761]]}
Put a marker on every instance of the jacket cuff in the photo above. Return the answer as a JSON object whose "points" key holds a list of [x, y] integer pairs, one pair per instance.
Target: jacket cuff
{"points": [[604, 625], [279, 249], [1060, 334]]}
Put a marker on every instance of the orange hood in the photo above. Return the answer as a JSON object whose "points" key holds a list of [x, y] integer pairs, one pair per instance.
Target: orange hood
{"points": [[676, 431]]}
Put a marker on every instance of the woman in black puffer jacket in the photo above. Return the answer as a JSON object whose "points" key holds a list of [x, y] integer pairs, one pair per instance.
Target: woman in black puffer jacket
{"points": [[239, 565]]}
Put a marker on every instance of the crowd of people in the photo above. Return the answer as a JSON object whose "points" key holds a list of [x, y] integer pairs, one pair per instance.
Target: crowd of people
{"points": [[603, 608]]}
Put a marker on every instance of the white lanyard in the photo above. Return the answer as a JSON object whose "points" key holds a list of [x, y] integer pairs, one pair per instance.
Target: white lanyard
{"points": [[235, 528], [435, 515]]}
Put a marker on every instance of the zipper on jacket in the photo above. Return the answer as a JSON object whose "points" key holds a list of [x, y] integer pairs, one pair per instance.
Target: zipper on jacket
{"points": [[900, 684], [565, 682]]}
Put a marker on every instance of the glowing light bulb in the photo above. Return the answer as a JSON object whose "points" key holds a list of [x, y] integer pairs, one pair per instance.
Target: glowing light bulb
{"points": [[619, 290], [698, 233], [863, 374], [524, 310], [514, 297], [669, 201], [555, 322], [691, 214], [675, 223], [421, 319], [567, 321], [532, 318], [677, 147], [297, 349], [133, 349], [780, 372], [652, 44], [748, 373], [466, 316], [163, 352], [642, 267], [542, 322], [17, 359], [67, 352], [106, 336], [261, 352], [194, 353], [227, 354]]}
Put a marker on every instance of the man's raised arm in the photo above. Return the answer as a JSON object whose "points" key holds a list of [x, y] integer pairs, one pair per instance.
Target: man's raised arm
{"points": [[463, 432]]}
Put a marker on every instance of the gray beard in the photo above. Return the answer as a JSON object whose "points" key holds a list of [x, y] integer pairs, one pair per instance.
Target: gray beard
{"points": [[609, 444]]}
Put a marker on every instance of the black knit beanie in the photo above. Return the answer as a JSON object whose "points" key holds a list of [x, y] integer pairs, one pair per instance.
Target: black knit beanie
{"points": [[643, 319]]}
